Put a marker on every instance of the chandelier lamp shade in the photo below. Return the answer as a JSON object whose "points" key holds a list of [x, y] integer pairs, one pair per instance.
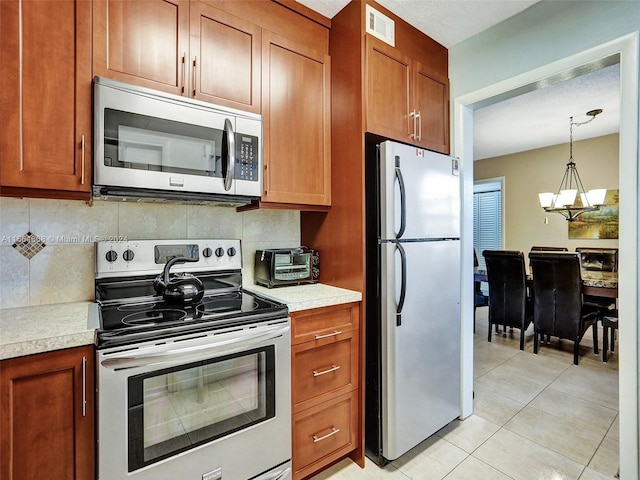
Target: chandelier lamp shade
{"points": [[571, 200]]}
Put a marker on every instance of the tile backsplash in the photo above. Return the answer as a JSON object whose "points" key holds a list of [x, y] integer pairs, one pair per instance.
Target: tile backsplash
{"points": [[63, 271]]}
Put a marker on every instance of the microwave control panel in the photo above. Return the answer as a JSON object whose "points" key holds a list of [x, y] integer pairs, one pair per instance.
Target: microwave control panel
{"points": [[246, 157]]}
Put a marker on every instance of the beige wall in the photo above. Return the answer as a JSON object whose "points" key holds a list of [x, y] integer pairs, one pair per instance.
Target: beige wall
{"points": [[64, 270], [528, 173]]}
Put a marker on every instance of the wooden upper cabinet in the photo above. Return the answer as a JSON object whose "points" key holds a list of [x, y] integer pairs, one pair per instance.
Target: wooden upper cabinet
{"points": [[224, 58], [181, 47], [296, 104], [45, 98], [144, 42], [404, 99], [431, 99], [387, 100]]}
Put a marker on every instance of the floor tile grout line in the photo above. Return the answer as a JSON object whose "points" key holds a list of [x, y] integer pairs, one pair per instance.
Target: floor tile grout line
{"points": [[552, 449]]}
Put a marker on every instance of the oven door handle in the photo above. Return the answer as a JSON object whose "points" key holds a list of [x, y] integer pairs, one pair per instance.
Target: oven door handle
{"points": [[196, 352]]}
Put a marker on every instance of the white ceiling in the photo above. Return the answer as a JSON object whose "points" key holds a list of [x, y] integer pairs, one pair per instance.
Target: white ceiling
{"points": [[540, 118], [537, 116], [448, 22]]}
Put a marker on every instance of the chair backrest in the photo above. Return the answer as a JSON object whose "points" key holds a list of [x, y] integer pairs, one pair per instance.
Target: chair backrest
{"points": [[557, 287], [537, 248], [598, 259], [507, 286]]}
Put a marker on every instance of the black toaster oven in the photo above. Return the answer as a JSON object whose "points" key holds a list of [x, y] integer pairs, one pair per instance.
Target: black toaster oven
{"points": [[286, 266]]}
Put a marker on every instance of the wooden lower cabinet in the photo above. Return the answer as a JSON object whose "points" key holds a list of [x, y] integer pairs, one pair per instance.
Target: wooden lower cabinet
{"points": [[47, 416], [325, 386], [324, 433]]}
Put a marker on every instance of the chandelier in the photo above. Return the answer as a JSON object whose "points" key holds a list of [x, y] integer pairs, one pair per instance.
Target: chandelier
{"points": [[571, 200]]}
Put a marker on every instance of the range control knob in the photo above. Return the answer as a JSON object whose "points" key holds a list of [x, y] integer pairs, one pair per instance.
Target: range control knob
{"points": [[231, 251], [111, 256], [128, 255], [206, 253], [219, 252]]}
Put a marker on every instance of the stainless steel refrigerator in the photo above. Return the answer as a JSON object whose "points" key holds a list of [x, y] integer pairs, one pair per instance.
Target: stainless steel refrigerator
{"points": [[412, 297]]}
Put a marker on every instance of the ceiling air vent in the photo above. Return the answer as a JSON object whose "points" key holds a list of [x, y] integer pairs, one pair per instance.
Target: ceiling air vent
{"points": [[380, 26]]}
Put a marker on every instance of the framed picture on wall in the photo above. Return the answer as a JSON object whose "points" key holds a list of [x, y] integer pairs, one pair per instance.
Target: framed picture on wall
{"points": [[601, 224]]}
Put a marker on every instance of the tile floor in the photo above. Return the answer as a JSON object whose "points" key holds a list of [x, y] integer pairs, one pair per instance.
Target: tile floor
{"points": [[535, 417]]}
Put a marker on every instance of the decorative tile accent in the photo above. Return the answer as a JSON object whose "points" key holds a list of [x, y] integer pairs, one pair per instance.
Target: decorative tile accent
{"points": [[29, 245]]}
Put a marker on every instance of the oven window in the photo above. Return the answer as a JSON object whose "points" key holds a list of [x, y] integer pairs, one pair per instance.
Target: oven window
{"points": [[141, 142], [176, 409]]}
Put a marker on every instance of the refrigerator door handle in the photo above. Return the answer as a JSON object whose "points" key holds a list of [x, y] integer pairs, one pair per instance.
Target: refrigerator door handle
{"points": [[403, 200], [403, 285]]}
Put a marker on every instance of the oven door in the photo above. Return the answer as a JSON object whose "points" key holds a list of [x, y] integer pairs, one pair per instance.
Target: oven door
{"points": [[194, 408]]}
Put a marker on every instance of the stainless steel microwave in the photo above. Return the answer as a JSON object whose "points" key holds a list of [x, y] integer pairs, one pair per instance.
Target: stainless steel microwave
{"points": [[158, 146]]}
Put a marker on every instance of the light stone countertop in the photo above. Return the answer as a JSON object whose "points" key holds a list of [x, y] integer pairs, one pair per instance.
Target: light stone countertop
{"points": [[44, 328], [304, 297]]}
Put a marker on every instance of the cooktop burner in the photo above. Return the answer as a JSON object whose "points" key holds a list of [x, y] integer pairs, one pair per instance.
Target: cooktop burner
{"points": [[154, 316]]}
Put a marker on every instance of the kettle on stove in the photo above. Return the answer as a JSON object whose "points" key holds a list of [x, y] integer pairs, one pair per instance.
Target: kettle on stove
{"points": [[179, 288]]}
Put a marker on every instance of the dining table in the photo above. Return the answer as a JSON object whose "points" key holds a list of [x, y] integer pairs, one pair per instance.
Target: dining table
{"points": [[594, 283]]}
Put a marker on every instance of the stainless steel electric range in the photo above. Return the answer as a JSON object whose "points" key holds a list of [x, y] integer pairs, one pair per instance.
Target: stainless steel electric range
{"points": [[193, 372]]}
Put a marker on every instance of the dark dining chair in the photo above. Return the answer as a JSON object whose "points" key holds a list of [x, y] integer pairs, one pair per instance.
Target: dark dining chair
{"points": [[599, 260], [479, 298], [538, 248], [609, 322], [559, 310], [508, 301]]}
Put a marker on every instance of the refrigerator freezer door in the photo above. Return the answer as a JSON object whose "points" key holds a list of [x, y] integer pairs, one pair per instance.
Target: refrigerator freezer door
{"points": [[419, 193], [420, 344]]}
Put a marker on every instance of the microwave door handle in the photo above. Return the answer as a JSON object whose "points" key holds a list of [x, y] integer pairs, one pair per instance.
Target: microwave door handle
{"points": [[231, 154]]}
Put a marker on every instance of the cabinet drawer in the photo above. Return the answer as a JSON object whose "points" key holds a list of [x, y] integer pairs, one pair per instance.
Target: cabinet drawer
{"points": [[323, 322], [324, 433], [324, 369]]}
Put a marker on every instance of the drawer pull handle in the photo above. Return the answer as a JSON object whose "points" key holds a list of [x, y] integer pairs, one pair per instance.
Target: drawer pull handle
{"points": [[328, 370], [333, 431], [333, 334]]}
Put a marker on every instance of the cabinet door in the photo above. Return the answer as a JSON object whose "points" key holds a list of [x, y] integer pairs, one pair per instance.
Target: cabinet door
{"points": [[224, 58], [387, 97], [296, 89], [143, 42], [47, 416], [45, 95], [431, 100]]}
